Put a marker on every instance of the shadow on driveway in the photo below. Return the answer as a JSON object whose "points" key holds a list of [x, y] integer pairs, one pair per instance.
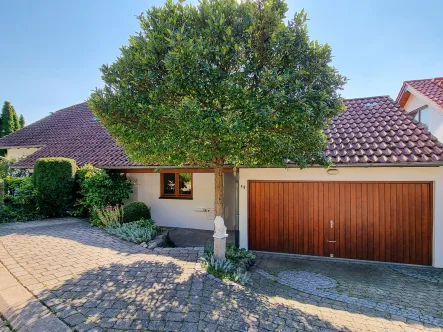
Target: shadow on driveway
{"points": [[155, 295]]}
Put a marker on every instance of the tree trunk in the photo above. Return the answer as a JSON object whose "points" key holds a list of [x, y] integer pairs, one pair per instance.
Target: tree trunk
{"points": [[218, 174]]}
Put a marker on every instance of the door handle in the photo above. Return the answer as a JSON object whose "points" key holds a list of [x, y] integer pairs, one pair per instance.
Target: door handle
{"points": [[332, 241], [331, 223]]}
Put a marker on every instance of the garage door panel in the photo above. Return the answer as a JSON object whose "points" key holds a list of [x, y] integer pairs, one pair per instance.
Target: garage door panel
{"points": [[371, 221], [399, 233]]}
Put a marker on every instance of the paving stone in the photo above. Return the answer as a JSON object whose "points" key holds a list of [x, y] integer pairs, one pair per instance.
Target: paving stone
{"points": [[94, 280], [123, 324], [174, 317], [75, 319], [156, 325]]}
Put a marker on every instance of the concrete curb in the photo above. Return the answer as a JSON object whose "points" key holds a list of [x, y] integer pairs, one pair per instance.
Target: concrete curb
{"points": [[22, 310]]}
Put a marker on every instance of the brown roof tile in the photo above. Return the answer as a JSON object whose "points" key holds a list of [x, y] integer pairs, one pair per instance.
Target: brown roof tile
{"points": [[372, 130], [72, 132]]}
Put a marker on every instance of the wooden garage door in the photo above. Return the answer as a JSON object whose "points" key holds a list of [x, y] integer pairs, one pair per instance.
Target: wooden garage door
{"points": [[372, 221]]}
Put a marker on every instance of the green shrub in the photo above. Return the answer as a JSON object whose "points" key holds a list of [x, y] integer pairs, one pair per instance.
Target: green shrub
{"points": [[54, 182], [135, 211], [110, 215], [6, 169], [98, 188], [137, 231], [20, 200], [21, 194], [2, 193], [9, 214]]}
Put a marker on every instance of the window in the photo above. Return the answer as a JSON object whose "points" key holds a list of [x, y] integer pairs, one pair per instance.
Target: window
{"points": [[176, 185], [422, 115]]}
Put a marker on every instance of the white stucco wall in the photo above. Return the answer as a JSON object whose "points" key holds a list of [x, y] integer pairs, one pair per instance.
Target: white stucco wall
{"points": [[434, 174], [181, 212], [19, 153], [434, 117], [229, 200]]}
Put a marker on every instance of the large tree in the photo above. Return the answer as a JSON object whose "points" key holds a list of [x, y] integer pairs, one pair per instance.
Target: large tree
{"points": [[223, 82], [9, 119]]}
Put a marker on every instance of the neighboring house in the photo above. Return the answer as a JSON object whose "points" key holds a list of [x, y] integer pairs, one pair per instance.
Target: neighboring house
{"points": [[424, 100], [379, 202]]}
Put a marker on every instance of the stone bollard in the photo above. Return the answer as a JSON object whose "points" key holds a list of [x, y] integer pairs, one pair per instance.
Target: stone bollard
{"points": [[220, 236]]}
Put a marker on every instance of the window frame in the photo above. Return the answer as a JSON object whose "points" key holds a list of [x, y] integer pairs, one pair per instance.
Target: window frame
{"points": [[177, 194], [418, 112]]}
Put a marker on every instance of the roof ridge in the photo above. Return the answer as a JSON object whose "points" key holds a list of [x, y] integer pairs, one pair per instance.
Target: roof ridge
{"points": [[73, 105], [40, 120], [424, 79], [371, 97], [418, 80]]}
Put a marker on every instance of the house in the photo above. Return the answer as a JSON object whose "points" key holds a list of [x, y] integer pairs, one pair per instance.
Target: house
{"points": [[379, 201], [424, 100]]}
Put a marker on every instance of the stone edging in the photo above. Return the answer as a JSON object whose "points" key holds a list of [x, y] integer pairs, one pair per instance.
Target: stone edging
{"points": [[157, 242], [22, 310]]}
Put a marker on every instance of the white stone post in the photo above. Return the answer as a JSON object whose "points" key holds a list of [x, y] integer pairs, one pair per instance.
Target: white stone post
{"points": [[220, 236]]}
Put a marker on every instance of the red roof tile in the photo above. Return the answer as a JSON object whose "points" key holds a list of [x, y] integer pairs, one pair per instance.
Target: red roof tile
{"points": [[377, 130], [372, 130], [431, 88]]}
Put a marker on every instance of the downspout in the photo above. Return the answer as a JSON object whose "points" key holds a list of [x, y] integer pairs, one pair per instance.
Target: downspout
{"points": [[236, 204]]}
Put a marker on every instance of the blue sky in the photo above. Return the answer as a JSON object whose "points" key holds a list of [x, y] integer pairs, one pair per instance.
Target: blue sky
{"points": [[51, 50]]}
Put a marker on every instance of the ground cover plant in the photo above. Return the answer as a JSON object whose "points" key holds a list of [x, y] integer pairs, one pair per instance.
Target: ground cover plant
{"points": [[236, 266], [143, 230]]}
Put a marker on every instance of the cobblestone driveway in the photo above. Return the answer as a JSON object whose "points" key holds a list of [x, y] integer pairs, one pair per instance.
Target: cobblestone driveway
{"points": [[96, 282]]}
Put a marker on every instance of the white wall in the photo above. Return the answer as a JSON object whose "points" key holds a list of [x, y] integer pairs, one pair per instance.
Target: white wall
{"points": [[180, 212], [434, 116], [434, 174], [19, 153], [229, 200]]}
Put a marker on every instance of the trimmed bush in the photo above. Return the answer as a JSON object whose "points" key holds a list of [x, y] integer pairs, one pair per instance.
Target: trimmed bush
{"points": [[2, 193], [54, 181], [136, 211]]}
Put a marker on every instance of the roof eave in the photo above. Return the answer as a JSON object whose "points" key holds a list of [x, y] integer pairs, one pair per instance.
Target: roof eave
{"points": [[20, 146], [431, 102], [367, 165], [362, 165]]}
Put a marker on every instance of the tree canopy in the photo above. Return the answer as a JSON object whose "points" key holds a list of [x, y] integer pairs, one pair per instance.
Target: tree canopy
{"points": [[221, 82], [9, 121], [21, 120]]}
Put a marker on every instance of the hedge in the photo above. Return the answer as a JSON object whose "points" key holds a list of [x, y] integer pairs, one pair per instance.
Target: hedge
{"points": [[54, 180], [135, 211], [2, 193]]}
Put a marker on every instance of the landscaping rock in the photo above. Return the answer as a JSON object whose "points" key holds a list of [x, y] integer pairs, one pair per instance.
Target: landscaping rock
{"points": [[159, 241]]}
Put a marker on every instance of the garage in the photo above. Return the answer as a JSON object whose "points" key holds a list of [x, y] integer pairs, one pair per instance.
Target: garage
{"points": [[379, 221]]}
